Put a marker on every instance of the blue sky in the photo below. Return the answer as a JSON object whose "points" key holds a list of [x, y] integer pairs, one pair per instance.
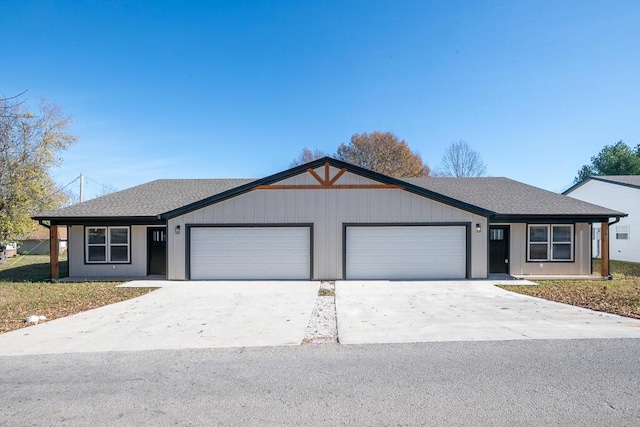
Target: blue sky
{"points": [[174, 89]]}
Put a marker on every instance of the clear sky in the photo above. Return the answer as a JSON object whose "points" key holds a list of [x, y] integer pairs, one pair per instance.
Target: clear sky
{"points": [[222, 89]]}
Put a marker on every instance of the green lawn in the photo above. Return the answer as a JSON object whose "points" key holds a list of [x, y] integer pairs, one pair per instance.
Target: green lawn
{"points": [[619, 296], [25, 290], [620, 269]]}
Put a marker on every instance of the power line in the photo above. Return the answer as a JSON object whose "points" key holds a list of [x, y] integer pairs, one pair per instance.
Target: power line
{"points": [[59, 190]]}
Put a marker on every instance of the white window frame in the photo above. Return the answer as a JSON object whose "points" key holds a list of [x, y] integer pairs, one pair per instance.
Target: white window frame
{"points": [[622, 232], [107, 244], [549, 243]]}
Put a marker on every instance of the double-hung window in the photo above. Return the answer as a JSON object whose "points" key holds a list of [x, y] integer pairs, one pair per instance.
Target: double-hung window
{"points": [[107, 245], [550, 242]]}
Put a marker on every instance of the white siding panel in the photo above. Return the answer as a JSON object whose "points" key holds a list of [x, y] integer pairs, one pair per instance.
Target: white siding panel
{"points": [[406, 252], [250, 253]]}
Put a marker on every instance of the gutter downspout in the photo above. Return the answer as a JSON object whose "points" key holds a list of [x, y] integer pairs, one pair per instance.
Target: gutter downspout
{"points": [[610, 276]]}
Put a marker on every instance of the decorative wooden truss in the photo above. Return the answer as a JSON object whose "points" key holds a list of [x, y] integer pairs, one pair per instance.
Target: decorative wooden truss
{"points": [[326, 183]]}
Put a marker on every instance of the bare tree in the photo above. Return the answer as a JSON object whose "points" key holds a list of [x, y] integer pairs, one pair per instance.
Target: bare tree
{"points": [[384, 153], [92, 189], [307, 156], [71, 197], [104, 189], [460, 160]]}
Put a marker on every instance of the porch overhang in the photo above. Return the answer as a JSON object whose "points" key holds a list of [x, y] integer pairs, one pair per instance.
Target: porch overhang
{"points": [[53, 225]]}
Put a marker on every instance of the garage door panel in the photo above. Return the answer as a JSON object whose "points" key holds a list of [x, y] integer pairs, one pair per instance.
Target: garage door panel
{"points": [[250, 253], [406, 252]]}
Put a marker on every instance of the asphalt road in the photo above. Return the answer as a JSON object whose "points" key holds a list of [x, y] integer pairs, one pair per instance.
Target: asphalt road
{"points": [[560, 382]]}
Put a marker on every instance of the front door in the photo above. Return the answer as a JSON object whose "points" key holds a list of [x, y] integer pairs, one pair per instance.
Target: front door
{"points": [[499, 249], [157, 251]]}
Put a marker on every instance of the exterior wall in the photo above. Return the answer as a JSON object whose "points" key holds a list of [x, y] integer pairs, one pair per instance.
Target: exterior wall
{"points": [[137, 268], [621, 198], [328, 210], [518, 264]]}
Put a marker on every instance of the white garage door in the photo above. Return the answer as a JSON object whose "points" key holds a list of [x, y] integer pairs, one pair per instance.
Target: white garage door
{"points": [[250, 253], [406, 252]]}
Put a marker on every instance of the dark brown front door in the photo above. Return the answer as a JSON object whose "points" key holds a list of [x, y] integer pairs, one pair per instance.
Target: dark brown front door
{"points": [[499, 249], [157, 251]]}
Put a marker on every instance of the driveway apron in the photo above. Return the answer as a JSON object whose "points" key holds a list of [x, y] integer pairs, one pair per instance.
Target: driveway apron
{"points": [[179, 315], [399, 312]]}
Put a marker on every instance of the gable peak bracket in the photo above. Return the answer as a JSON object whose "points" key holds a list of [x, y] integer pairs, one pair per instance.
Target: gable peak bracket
{"points": [[327, 180]]}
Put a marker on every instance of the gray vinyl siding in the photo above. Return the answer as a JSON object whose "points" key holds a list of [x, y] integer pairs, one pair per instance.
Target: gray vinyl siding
{"points": [[327, 210], [520, 266], [137, 268]]}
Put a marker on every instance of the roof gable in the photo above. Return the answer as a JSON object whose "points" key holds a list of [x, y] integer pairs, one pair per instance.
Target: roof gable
{"points": [[632, 181], [326, 173]]}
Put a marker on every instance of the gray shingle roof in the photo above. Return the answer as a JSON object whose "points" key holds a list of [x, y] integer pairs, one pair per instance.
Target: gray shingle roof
{"points": [[148, 200], [499, 195], [508, 197]]}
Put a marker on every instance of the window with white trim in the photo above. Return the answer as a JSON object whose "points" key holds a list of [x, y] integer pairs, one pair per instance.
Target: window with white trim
{"points": [[550, 242], [107, 245], [622, 232]]}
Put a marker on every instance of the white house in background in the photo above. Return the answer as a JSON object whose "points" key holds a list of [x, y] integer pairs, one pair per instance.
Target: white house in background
{"points": [[621, 193]]}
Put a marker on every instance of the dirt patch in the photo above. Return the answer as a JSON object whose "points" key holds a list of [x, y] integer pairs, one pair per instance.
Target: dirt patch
{"points": [[322, 327], [21, 300]]}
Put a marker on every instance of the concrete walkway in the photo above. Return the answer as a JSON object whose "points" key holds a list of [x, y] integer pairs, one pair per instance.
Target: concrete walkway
{"points": [[179, 315], [402, 312]]}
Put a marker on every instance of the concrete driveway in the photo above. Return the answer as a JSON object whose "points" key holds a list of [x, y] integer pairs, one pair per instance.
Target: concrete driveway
{"points": [[245, 314], [179, 315], [400, 312]]}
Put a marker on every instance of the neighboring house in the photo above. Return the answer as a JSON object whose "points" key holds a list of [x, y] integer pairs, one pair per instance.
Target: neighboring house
{"points": [[620, 192], [328, 220], [37, 243], [8, 251]]}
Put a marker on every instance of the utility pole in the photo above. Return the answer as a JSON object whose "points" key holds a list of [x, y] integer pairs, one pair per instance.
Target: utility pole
{"points": [[81, 187]]}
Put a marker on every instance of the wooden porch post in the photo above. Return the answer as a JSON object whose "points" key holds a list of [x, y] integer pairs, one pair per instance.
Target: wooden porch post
{"points": [[53, 252], [604, 252]]}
